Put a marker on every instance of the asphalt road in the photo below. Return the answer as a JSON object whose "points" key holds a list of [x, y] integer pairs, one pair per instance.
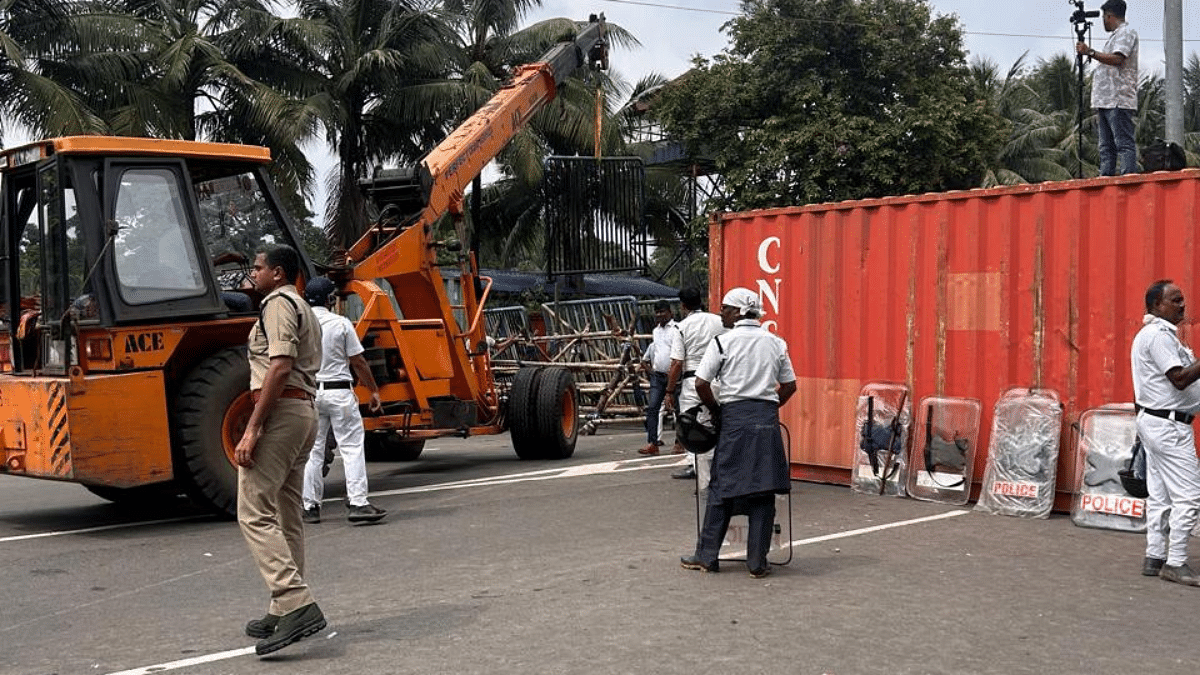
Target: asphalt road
{"points": [[487, 564]]}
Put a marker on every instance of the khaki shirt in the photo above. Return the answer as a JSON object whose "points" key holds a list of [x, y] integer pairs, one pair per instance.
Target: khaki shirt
{"points": [[291, 330]]}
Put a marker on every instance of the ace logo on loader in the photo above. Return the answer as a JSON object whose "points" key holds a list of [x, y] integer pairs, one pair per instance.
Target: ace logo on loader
{"points": [[143, 342]]}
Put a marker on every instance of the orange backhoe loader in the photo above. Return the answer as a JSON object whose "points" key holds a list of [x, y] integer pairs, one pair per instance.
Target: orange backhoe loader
{"points": [[124, 307]]}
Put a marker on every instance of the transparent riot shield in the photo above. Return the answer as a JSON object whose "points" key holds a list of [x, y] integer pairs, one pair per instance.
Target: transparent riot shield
{"points": [[945, 436], [1106, 437], [883, 421], [1018, 479]]}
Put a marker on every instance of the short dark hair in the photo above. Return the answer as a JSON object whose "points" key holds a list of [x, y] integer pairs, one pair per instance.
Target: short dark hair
{"points": [[286, 257], [662, 304], [1154, 294], [691, 297], [1114, 7]]}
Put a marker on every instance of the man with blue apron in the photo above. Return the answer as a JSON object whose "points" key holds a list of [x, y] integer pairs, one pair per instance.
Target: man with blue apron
{"points": [[749, 465]]}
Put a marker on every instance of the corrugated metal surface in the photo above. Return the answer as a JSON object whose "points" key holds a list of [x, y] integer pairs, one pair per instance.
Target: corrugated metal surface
{"points": [[961, 294]]}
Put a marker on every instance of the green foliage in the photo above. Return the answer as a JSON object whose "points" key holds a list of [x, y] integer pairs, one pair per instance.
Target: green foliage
{"points": [[824, 100]]}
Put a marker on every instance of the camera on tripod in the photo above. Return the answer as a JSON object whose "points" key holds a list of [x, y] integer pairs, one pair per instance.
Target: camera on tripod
{"points": [[1082, 15]]}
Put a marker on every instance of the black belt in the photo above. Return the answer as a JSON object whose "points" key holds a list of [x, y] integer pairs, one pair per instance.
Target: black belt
{"points": [[1173, 415], [688, 373], [335, 385]]}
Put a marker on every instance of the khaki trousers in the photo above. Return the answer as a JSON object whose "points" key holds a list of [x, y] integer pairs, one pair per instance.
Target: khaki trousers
{"points": [[269, 508]]}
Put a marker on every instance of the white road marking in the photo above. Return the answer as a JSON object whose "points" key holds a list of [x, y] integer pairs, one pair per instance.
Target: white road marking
{"points": [[184, 663], [854, 533], [100, 528]]}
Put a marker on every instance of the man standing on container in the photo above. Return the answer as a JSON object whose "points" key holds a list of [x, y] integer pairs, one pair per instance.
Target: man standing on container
{"points": [[657, 362], [1114, 91], [1163, 372], [284, 352], [696, 331], [750, 465]]}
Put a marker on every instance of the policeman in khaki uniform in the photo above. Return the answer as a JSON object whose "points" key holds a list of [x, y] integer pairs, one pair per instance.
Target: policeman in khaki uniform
{"points": [[1164, 371], [284, 353]]}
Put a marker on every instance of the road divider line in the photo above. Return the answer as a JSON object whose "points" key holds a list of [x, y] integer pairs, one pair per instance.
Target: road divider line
{"points": [[879, 528], [184, 663], [99, 528]]}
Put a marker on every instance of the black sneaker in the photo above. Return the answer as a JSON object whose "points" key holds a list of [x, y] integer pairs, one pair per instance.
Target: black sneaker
{"points": [[262, 628], [365, 514], [1180, 574], [691, 562], [293, 627], [1152, 566], [759, 574], [312, 515]]}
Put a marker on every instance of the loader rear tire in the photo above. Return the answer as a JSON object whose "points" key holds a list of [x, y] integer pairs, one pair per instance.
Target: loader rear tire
{"points": [[390, 447], [522, 422], [557, 413], [210, 415]]}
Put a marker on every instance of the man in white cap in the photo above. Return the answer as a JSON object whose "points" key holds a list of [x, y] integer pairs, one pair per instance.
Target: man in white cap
{"points": [[749, 465]]}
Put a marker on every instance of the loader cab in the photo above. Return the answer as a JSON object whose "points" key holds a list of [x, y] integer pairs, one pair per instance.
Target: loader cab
{"points": [[102, 232]]}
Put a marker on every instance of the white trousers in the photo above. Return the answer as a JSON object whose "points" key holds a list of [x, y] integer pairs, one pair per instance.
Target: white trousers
{"points": [[688, 398], [1173, 481], [337, 409]]}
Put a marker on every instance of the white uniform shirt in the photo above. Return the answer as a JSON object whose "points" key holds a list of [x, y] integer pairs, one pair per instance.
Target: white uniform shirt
{"points": [[751, 362], [338, 343], [659, 351], [1157, 349], [696, 330], [1113, 86]]}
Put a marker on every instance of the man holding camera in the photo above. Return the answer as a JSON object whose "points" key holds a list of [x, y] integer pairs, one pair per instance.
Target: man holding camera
{"points": [[1114, 91]]}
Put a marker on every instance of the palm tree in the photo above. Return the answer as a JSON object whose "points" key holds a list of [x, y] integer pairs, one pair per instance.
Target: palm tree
{"points": [[29, 35]]}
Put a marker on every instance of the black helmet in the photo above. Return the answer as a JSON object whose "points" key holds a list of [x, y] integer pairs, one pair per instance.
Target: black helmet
{"points": [[318, 290], [695, 437]]}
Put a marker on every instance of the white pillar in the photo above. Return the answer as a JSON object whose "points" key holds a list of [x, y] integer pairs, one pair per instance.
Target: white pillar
{"points": [[1173, 47]]}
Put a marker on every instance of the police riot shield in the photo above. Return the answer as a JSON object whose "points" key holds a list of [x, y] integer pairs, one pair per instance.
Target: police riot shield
{"points": [[1018, 479], [944, 439], [883, 422], [733, 548], [1106, 438]]}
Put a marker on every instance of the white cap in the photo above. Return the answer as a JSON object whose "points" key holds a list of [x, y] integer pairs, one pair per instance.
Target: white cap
{"points": [[745, 300]]}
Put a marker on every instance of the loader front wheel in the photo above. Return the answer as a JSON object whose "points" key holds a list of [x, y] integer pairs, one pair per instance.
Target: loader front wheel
{"points": [[390, 447], [210, 415]]}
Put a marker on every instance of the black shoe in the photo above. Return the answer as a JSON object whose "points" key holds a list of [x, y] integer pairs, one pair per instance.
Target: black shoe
{"points": [[1180, 574], [1152, 566], [758, 574], [691, 562], [262, 628], [293, 627], [685, 472], [312, 515], [365, 514]]}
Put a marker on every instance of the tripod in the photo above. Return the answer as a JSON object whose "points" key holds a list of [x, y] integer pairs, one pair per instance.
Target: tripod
{"points": [[1083, 33]]}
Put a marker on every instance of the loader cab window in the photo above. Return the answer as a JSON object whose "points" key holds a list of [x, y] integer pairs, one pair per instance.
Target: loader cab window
{"points": [[155, 257], [237, 221]]}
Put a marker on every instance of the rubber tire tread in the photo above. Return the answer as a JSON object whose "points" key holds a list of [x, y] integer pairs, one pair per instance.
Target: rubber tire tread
{"points": [[390, 448], [554, 385], [522, 422], [204, 396]]}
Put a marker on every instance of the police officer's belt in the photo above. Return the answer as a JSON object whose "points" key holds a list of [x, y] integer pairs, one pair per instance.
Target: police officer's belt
{"points": [[335, 385], [1173, 415], [288, 392], [688, 373]]}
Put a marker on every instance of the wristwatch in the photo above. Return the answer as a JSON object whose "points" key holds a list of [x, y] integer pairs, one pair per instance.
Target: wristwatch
{"points": [[1092, 53]]}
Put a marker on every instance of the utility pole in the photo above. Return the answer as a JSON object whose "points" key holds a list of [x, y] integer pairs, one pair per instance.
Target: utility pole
{"points": [[1173, 48]]}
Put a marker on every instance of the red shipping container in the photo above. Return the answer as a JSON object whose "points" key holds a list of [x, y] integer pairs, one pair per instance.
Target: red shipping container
{"points": [[961, 294]]}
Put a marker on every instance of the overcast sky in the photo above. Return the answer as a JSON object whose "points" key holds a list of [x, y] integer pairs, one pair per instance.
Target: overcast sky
{"points": [[672, 31]]}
